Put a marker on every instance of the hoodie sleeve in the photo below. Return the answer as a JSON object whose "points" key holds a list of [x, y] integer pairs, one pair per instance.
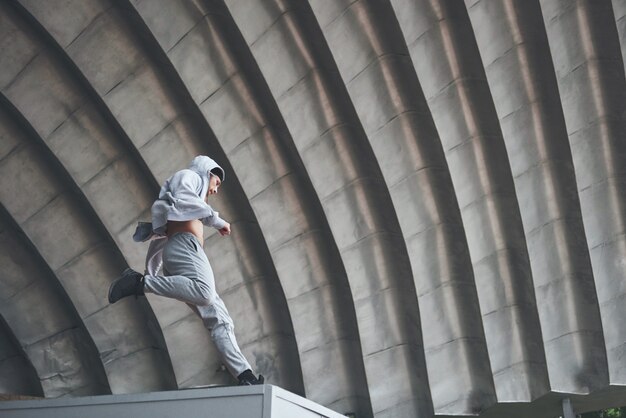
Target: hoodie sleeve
{"points": [[215, 221]]}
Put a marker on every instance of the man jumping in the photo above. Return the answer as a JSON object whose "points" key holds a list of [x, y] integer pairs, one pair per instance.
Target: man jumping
{"points": [[178, 216]]}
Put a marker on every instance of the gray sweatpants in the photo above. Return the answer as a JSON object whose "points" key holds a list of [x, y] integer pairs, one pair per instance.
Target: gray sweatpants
{"points": [[189, 278]]}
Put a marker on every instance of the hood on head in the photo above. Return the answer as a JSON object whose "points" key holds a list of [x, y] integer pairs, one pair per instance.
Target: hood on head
{"points": [[203, 165]]}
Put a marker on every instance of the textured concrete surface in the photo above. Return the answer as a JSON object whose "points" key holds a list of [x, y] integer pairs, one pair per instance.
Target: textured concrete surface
{"points": [[17, 374], [427, 197]]}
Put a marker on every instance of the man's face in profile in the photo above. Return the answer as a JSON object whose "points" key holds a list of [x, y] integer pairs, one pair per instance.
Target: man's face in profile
{"points": [[214, 184]]}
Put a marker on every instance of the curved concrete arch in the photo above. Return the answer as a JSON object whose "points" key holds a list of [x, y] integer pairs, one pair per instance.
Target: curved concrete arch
{"points": [[298, 241], [267, 336], [49, 331], [112, 158], [108, 164], [353, 194], [247, 278], [368, 45], [447, 62], [46, 207], [116, 168], [585, 48], [113, 96], [619, 10], [534, 133], [17, 373]]}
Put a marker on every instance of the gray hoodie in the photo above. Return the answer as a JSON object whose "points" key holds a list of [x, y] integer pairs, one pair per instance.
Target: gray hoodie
{"points": [[182, 199]]}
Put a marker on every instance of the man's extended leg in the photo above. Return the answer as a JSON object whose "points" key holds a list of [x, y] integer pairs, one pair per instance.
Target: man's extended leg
{"points": [[223, 335]]}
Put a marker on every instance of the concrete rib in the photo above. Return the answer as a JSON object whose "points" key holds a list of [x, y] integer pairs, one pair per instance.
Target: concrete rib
{"points": [[592, 90], [62, 212], [17, 373], [302, 79], [269, 182]]}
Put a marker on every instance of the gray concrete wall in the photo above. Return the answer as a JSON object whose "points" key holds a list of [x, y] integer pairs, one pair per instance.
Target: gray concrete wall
{"points": [[427, 197]]}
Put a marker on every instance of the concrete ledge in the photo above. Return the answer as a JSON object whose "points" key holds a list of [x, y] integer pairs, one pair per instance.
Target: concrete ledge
{"points": [[264, 401]]}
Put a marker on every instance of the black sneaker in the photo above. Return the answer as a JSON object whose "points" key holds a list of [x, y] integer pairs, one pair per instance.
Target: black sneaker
{"points": [[247, 378], [128, 284]]}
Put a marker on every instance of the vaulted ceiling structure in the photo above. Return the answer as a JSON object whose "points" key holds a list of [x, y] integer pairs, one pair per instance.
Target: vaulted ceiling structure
{"points": [[428, 197]]}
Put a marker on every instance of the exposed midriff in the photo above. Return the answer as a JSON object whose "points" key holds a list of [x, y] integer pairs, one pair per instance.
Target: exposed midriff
{"points": [[193, 226]]}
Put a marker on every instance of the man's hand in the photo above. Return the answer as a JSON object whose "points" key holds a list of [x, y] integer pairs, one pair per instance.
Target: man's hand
{"points": [[226, 230]]}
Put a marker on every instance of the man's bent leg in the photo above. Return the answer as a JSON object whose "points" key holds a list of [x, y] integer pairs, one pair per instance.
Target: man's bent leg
{"points": [[189, 276]]}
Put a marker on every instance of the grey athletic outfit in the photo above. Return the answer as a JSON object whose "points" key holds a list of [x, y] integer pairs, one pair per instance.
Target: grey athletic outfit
{"points": [[188, 276]]}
